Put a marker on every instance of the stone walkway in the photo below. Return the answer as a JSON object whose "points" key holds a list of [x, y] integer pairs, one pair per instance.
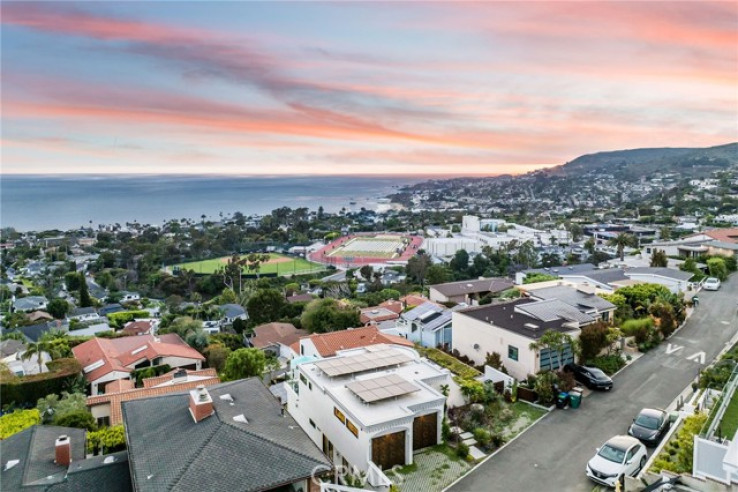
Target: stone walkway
{"points": [[435, 471]]}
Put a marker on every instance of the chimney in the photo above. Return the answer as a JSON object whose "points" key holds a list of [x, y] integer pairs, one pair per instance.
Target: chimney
{"points": [[201, 405], [63, 451]]}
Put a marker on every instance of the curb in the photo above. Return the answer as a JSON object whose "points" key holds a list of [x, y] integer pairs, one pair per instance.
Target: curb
{"points": [[493, 454]]}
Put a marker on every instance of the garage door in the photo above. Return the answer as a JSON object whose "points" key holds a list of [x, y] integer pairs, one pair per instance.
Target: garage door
{"points": [[425, 431], [389, 450]]}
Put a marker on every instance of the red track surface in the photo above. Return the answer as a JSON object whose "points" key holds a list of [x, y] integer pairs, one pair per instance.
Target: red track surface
{"points": [[318, 256]]}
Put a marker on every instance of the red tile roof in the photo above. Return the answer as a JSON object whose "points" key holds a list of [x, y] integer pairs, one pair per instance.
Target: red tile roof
{"points": [[377, 314], [115, 399], [392, 305], [165, 378], [271, 333], [413, 300], [137, 328], [118, 353], [725, 235], [328, 344]]}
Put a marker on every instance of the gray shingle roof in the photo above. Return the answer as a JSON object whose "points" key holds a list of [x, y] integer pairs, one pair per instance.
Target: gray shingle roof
{"points": [[573, 297], [562, 270], [452, 289], [431, 315], [505, 316], [232, 310], [29, 303], [663, 272], [108, 473], [82, 310], [604, 276], [169, 451], [35, 449], [554, 309]]}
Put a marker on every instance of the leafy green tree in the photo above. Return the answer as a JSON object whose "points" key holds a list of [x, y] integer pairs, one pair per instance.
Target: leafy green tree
{"points": [[324, 315], [72, 281], [12, 423], [244, 363], [106, 440], [592, 339], [217, 354], [38, 349], [58, 308], [418, 267], [460, 263], [438, 274], [228, 297], [659, 258], [717, 268], [80, 419], [266, 305]]}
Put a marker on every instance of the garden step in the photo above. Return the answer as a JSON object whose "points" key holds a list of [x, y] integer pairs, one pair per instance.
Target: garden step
{"points": [[466, 435], [476, 453], [470, 442], [456, 430]]}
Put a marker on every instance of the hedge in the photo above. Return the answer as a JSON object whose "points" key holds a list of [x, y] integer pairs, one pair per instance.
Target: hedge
{"points": [[26, 390], [120, 319], [106, 440], [12, 423]]}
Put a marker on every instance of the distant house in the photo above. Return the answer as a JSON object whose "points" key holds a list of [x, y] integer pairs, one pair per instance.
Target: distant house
{"points": [[581, 298], [96, 291], [110, 309], [105, 360], [276, 338], [30, 303], [509, 329], [554, 271], [229, 436], [84, 314], [126, 296], [33, 333], [232, 312], [327, 344], [299, 298], [107, 408], [52, 458], [211, 327], [428, 324], [137, 328], [39, 316], [468, 291], [12, 351], [675, 280], [376, 314]]}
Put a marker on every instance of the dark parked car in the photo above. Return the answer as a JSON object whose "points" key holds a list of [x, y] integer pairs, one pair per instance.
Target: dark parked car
{"points": [[591, 377], [650, 426]]}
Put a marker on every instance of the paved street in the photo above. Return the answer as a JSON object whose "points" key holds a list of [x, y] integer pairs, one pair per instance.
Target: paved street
{"points": [[552, 455]]}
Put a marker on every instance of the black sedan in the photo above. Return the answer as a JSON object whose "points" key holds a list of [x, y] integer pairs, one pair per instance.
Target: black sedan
{"points": [[591, 377], [650, 426]]}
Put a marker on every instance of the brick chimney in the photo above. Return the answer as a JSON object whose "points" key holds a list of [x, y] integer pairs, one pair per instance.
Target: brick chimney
{"points": [[201, 405], [63, 451]]}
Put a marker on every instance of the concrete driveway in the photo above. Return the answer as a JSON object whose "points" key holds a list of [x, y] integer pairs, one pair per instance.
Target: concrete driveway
{"points": [[553, 454]]}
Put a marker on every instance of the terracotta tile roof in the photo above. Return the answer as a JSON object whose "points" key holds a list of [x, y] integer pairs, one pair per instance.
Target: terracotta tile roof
{"points": [[413, 300], [328, 344], [271, 333], [115, 399], [164, 378], [725, 235], [394, 306], [39, 315], [137, 328], [118, 353]]}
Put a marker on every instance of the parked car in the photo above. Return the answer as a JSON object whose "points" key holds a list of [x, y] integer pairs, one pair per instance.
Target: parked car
{"points": [[591, 377], [618, 457], [711, 283], [650, 426]]}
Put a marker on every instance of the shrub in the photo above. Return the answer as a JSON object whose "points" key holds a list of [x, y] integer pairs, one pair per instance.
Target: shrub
{"points": [[106, 440], [610, 364], [545, 387], [717, 268], [593, 338], [678, 454], [482, 436], [118, 320], [26, 391], [637, 328], [80, 419], [12, 423], [462, 451]]}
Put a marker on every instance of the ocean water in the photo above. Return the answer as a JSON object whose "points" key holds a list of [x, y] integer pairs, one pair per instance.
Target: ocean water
{"points": [[34, 203]]}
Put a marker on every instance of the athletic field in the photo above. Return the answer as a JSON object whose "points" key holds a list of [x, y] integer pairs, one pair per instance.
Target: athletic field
{"points": [[279, 264]]}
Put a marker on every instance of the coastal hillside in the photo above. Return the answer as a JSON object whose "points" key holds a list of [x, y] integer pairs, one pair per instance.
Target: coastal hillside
{"points": [[636, 163]]}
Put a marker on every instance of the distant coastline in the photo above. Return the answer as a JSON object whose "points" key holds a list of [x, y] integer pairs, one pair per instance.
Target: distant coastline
{"points": [[69, 201]]}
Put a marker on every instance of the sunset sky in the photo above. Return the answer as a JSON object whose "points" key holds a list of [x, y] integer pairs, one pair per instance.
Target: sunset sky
{"points": [[359, 87]]}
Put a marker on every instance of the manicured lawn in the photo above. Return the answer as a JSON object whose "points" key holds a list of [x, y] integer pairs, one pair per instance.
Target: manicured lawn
{"points": [[279, 264], [729, 424]]}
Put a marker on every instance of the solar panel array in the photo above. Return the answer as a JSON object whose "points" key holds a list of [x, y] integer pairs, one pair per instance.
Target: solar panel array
{"points": [[368, 361], [381, 388]]}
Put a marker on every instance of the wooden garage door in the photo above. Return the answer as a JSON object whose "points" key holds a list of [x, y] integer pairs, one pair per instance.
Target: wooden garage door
{"points": [[389, 450], [425, 431]]}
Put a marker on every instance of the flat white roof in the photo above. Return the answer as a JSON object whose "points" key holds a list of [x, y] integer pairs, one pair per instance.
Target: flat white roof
{"points": [[414, 370]]}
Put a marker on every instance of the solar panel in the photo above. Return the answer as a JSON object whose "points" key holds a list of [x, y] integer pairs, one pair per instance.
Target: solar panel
{"points": [[381, 388], [368, 361]]}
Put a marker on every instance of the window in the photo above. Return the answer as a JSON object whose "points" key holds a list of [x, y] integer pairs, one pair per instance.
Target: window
{"points": [[631, 453], [302, 350], [351, 427], [303, 379], [103, 421], [512, 352], [312, 424], [339, 415]]}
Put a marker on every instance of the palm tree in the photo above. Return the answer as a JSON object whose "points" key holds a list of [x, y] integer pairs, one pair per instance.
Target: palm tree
{"points": [[555, 342], [621, 241], [38, 349]]}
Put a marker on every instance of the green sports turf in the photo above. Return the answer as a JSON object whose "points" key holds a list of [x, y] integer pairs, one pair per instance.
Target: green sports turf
{"points": [[294, 265]]}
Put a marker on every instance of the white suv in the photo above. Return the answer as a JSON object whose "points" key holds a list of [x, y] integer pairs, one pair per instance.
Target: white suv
{"points": [[711, 283], [618, 457]]}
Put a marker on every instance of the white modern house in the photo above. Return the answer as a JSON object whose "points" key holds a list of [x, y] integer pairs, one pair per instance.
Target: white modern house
{"points": [[674, 280], [510, 328], [370, 408]]}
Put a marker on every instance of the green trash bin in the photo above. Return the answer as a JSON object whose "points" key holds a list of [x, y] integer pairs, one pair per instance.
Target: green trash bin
{"points": [[575, 399]]}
